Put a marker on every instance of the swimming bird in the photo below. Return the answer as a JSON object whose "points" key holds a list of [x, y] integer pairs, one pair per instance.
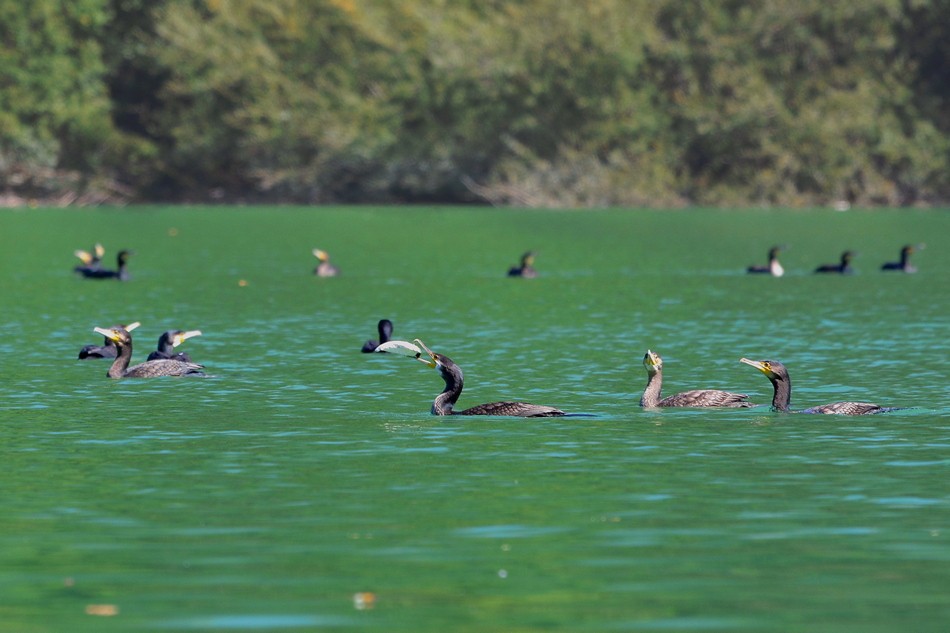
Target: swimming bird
{"points": [[451, 373], [149, 369], [385, 329], [695, 398], [526, 268], [904, 264], [843, 267], [324, 268], [90, 261], [107, 349], [781, 383], [773, 268], [167, 343], [121, 273]]}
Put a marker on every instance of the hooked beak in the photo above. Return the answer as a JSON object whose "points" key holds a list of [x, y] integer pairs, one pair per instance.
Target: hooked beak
{"points": [[650, 359], [181, 337], [109, 333], [431, 361], [758, 365]]}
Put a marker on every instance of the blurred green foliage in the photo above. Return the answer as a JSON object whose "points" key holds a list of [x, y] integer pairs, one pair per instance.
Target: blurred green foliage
{"points": [[538, 102]]}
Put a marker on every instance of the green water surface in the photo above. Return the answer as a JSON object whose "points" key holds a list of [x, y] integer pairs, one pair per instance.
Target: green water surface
{"points": [[304, 486]]}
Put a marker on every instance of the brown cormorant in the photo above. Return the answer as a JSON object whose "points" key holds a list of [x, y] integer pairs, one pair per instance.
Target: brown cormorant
{"points": [[451, 373], [526, 268], [842, 268], [149, 369], [695, 398], [904, 264], [167, 343], [773, 268], [121, 273], [385, 329], [324, 268], [778, 376], [107, 349]]}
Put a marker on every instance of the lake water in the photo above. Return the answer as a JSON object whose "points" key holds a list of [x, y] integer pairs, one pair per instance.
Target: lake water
{"points": [[304, 486]]}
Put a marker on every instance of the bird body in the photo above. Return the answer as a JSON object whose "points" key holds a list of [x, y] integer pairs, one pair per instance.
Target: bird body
{"points": [[843, 267], [782, 395], [385, 330], [904, 264], [773, 268], [526, 268], [167, 343], [120, 273], [653, 363], [149, 369], [324, 268]]}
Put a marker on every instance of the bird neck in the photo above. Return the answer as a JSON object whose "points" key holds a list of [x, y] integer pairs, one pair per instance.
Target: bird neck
{"points": [[651, 395], [783, 394], [165, 345], [121, 363], [445, 402]]}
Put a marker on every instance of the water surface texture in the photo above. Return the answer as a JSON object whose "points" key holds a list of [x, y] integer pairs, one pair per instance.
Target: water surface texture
{"points": [[304, 486]]}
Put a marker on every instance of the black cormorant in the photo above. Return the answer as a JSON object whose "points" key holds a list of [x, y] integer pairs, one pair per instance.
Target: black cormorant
{"points": [[120, 273], [695, 398], [526, 268], [842, 268], [324, 268], [107, 349], [149, 369], [385, 329], [778, 376], [167, 343], [773, 268], [904, 264]]}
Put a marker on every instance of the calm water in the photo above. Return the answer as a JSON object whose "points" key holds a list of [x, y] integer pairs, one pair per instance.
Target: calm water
{"points": [[302, 473]]}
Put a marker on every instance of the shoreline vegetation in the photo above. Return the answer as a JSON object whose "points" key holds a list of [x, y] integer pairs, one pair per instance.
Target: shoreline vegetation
{"points": [[544, 103]]}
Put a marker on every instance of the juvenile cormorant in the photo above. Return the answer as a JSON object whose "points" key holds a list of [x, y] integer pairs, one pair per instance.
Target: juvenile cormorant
{"points": [[324, 268], [107, 349], [904, 264], [90, 261], [696, 398], [778, 376], [451, 373], [167, 343], [120, 273], [385, 329], [842, 268], [149, 369], [526, 268], [773, 268]]}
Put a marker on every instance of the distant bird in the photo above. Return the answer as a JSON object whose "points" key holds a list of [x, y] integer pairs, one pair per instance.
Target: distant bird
{"points": [[121, 273], [773, 268], [167, 343], [904, 264], [841, 268], [525, 268], [149, 369], [324, 268], [782, 395], [696, 398], [385, 329], [89, 261], [107, 349]]}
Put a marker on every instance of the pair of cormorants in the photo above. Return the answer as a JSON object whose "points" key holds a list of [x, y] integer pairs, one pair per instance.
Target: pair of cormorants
{"points": [[167, 343], [91, 267], [162, 362]]}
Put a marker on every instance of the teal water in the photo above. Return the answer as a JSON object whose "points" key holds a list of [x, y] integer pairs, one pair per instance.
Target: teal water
{"points": [[304, 486]]}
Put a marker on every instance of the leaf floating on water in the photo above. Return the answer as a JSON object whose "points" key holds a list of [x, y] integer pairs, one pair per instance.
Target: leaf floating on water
{"points": [[405, 348], [105, 610]]}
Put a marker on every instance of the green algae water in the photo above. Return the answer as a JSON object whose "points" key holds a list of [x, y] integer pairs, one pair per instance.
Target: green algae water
{"points": [[304, 486]]}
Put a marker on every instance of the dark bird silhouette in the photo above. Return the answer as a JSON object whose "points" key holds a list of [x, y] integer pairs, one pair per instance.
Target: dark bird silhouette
{"points": [[167, 343], [904, 264], [773, 268], [149, 369], [842, 268], [525, 268], [782, 396], [107, 349], [324, 268], [121, 273], [695, 398], [385, 329]]}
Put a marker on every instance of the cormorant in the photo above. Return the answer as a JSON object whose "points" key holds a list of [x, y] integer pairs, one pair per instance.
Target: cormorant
{"points": [[120, 273], [773, 268], [451, 373], [149, 369], [385, 329], [167, 343], [695, 398], [842, 268], [778, 376], [526, 268], [904, 264], [324, 268], [90, 261], [107, 349]]}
